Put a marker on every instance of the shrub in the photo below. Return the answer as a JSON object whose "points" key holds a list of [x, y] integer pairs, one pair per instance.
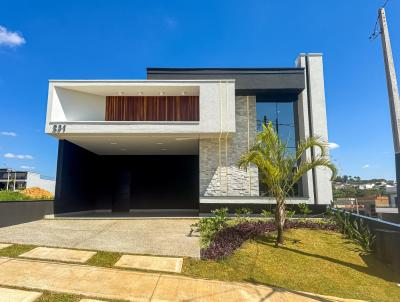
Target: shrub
{"points": [[304, 209], [290, 214], [355, 229], [363, 236], [343, 220], [242, 213], [209, 226], [266, 213]]}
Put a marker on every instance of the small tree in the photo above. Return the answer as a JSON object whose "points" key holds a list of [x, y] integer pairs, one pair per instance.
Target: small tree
{"points": [[280, 169]]}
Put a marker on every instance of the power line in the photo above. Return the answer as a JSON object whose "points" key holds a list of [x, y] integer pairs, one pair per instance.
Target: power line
{"points": [[376, 33]]}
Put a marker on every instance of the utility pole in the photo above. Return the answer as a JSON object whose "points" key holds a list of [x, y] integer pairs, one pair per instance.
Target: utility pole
{"points": [[8, 179], [393, 91]]}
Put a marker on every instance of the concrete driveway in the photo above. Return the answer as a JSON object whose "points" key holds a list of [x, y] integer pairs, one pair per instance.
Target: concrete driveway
{"points": [[136, 236]]}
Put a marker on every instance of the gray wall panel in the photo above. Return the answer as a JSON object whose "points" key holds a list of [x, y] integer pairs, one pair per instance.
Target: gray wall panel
{"points": [[285, 80], [16, 212]]}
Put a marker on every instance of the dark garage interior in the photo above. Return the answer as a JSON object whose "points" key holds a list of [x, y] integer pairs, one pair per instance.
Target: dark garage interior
{"points": [[87, 181]]}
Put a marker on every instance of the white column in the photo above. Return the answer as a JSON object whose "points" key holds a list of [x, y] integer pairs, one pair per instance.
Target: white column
{"points": [[318, 123], [304, 131]]}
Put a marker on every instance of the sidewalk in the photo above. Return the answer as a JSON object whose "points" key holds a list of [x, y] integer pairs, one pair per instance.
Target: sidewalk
{"points": [[136, 286]]}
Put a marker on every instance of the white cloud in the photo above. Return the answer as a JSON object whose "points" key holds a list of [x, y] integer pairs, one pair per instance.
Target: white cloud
{"points": [[366, 166], [18, 156], [7, 133], [10, 38], [27, 167], [333, 145]]}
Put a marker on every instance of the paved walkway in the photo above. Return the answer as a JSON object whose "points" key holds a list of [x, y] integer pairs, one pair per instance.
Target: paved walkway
{"points": [[166, 237], [17, 295], [58, 254], [136, 286], [152, 263], [3, 245]]}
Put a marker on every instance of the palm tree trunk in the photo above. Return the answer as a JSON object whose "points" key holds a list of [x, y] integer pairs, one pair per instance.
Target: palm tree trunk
{"points": [[280, 218]]}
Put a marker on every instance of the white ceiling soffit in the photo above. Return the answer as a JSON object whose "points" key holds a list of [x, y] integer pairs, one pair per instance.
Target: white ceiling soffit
{"points": [[123, 145], [135, 90]]}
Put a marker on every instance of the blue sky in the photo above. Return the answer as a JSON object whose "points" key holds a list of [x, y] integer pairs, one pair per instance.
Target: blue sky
{"points": [[119, 39]]}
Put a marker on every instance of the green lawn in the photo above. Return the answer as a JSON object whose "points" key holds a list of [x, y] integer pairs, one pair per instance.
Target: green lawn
{"points": [[104, 259], [320, 262]]}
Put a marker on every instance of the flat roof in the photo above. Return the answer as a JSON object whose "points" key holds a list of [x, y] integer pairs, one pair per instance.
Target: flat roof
{"points": [[140, 81], [227, 69], [249, 81]]}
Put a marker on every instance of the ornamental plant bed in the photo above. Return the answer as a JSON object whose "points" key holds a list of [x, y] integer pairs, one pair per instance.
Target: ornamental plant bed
{"points": [[227, 240]]}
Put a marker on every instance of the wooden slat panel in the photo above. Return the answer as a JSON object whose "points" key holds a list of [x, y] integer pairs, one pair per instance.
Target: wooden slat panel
{"points": [[152, 108]]}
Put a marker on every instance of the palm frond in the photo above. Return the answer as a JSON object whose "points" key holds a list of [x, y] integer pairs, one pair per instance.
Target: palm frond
{"points": [[311, 142], [279, 169], [306, 166]]}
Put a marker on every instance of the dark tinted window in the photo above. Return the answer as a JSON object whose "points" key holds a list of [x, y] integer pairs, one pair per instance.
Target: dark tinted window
{"points": [[281, 114]]}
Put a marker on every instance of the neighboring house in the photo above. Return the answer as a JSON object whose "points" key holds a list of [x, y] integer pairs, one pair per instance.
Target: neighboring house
{"points": [[366, 186], [374, 205], [391, 191], [19, 180], [172, 142], [347, 203], [339, 185]]}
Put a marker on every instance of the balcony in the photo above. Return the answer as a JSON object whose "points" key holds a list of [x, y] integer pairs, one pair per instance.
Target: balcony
{"points": [[184, 107]]}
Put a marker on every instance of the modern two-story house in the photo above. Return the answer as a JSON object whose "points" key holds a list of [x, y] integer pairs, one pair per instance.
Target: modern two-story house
{"points": [[172, 142]]}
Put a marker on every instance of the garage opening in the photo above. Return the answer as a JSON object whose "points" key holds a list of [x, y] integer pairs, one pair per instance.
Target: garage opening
{"points": [[152, 182], [91, 182]]}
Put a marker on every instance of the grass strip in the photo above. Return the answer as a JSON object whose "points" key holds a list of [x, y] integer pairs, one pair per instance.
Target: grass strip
{"points": [[15, 250], [104, 259]]}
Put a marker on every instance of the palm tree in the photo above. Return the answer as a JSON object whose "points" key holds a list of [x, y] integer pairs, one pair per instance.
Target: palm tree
{"points": [[280, 168]]}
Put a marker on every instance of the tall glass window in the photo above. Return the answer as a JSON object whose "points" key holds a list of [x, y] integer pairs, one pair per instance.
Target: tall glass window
{"points": [[281, 114]]}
